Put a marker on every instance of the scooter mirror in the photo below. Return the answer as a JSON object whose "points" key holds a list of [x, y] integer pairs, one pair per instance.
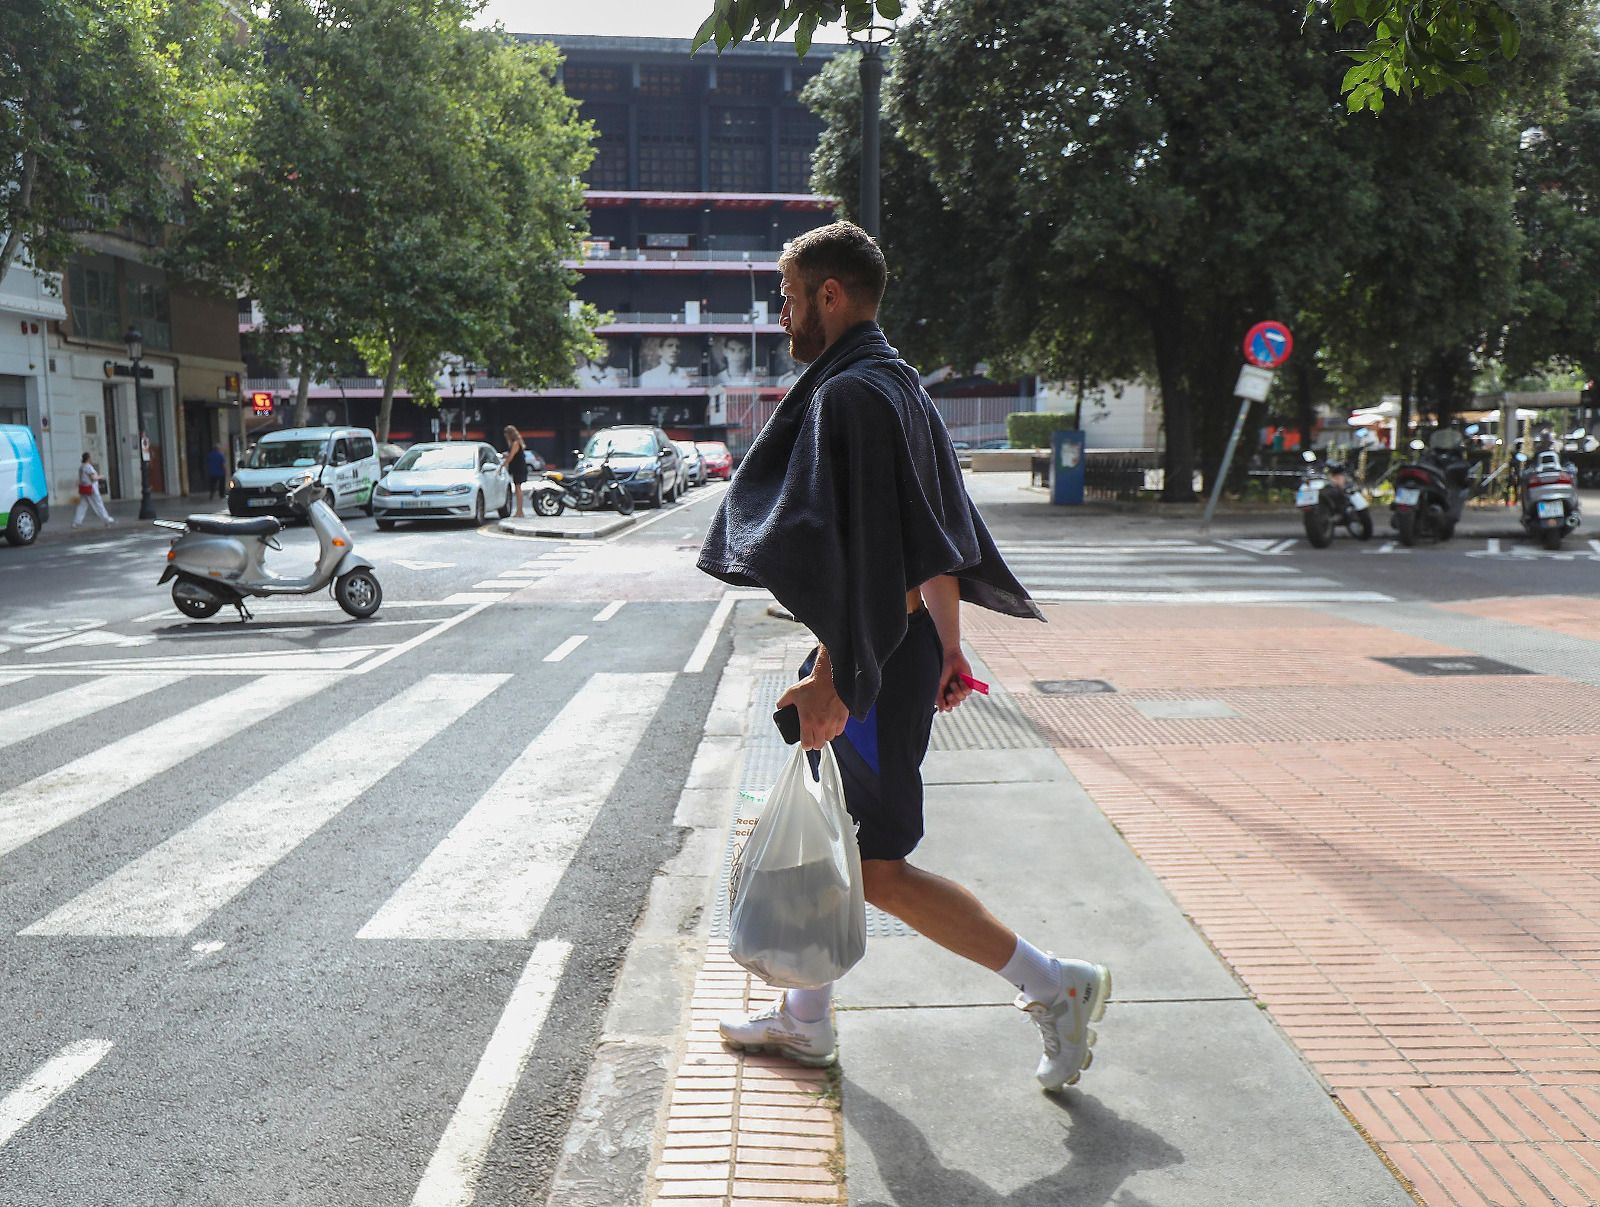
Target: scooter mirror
{"points": [[1308, 456], [1522, 457], [1472, 429], [1418, 445]]}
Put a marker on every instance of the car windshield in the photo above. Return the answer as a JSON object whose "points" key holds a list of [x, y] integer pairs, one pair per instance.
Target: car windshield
{"points": [[438, 458], [623, 443], [711, 448], [284, 454], [687, 449]]}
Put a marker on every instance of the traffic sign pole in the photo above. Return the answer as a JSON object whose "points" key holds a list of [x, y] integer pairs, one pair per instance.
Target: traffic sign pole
{"points": [[1227, 462], [1266, 346]]}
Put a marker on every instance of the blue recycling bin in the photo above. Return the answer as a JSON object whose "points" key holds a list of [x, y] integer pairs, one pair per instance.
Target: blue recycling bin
{"points": [[1067, 469]]}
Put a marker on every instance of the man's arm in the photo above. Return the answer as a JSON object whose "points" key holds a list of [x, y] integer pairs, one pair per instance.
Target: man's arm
{"points": [[822, 713], [943, 597]]}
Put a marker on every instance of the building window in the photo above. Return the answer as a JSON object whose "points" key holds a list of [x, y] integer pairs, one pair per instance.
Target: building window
{"points": [[739, 149], [744, 81], [590, 80], [13, 400], [663, 81], [610, 167], [150, 311], [798, 132], [95, 315], [668, 145]]}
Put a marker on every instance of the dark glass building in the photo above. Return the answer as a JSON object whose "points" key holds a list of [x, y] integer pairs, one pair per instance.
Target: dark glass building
{"points": [[700, 177]]}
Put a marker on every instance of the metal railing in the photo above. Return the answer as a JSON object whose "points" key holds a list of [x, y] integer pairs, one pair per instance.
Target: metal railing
{"points": [[1121, 473], [717, 318], [669, 254]]}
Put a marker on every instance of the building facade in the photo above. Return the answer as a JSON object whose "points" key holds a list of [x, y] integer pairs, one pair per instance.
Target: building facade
{"points": [[700, 177], [64, 367]]}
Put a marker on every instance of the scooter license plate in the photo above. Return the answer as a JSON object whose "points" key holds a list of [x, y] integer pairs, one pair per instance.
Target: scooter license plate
{"points": [[1358, 501], [1552, 509], [260, 502], [1407, 496], [1307, 496]]}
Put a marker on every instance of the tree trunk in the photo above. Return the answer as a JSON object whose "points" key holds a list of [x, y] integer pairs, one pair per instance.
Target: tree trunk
{"points": [[1077, 414], [1402, 431], [391, 375], [302, 392], [30, 170], [1305, 418], [1177, 414]]}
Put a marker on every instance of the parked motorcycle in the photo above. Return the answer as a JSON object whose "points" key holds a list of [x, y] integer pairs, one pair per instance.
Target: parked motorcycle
{"points": [[1549, 493], [1433, 487], [220, 560], [585, 489], [1328, 498]]}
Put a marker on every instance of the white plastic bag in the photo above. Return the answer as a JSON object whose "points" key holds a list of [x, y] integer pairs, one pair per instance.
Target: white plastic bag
{"points": [[798, 918]]}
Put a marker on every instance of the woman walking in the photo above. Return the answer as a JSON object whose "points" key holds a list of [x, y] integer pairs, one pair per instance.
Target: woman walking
{"points": [[89, 494], [516, 463]]}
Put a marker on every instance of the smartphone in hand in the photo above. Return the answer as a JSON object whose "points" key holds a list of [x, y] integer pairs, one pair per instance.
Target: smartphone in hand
{"points": [[787, 719]]}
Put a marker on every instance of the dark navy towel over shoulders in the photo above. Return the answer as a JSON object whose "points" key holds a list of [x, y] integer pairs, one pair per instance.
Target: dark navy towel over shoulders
{"points": [[851, 496]]}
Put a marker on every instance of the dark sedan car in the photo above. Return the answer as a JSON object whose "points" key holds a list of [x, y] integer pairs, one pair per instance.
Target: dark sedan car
{"points": [[647, 463]]}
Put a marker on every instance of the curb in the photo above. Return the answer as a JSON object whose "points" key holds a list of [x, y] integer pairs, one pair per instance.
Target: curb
{"points": [[547, 529]]}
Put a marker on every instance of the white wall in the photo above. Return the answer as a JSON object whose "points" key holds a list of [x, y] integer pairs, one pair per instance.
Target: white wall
{"points": [[1119, 415]]}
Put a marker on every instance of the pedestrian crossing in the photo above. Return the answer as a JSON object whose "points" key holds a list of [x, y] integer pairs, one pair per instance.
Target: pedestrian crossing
{"points": [[1169, 571], [490, 874]]}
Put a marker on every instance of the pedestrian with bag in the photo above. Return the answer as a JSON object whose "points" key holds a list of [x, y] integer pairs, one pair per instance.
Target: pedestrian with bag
{"points": [[850, 508], [89, 499], [515, 462]]}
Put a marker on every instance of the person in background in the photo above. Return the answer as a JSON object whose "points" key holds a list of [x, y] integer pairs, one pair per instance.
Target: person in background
{"points": [[89, 499], [515, 464], [217, 472]]}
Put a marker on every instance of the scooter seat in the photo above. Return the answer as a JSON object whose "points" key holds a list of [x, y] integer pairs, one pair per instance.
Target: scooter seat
{"points": [[223, 525]]}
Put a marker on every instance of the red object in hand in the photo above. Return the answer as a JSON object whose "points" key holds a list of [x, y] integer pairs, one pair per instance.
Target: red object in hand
{"points": [[977, 685]]}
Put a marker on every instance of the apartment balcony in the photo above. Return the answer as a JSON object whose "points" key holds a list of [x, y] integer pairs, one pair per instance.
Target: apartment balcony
{"points": [[683, 384], [598, 259], [706, 322]]}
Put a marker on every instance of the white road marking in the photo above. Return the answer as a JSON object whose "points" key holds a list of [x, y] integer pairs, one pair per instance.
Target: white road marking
{"points": [[566, 647], [245, 663], [451, 1178], [561, 555], [708, 639], [469, 597], [412, 643], [494, 872], [51, 1080], [1212, 597], [268, 609], [1595, 545], [176, 886], [57, 797], [23, 721], [92, 637], [498, 584], [664, 514], [610, 610], [425, 565]]}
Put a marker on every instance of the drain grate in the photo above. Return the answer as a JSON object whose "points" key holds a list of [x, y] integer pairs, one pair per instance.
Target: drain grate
{"points": [[1072, 687], [1461, 664]]}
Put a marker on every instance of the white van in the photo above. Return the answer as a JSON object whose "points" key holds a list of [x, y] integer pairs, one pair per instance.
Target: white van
{"points": [[24, 499], [345, 460]]}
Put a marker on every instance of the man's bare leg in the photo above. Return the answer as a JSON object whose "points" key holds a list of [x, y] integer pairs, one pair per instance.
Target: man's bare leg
{"points": [[939, 909]]}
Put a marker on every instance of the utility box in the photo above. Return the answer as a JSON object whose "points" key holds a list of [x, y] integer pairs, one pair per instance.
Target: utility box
{"points": [[1067, 468]]}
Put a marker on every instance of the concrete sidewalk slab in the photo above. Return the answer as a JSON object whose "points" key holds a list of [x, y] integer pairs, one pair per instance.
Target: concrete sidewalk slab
{"points": [[1194, 1104], [565, 527]]}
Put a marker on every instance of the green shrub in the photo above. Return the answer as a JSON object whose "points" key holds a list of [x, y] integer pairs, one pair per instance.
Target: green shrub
{"points": [[1031, 429]]}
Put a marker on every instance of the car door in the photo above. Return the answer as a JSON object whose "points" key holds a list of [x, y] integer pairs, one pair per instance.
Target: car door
{"points": [[494, 489], [343, 473]]}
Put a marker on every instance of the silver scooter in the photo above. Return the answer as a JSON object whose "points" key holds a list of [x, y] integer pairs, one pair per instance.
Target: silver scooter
{"points": [[218, 560]]}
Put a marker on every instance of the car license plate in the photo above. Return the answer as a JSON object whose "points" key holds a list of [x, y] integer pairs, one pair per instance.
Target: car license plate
{"points": [[1407, 496], [1307, 496], [259, 502], [1552, 509]]}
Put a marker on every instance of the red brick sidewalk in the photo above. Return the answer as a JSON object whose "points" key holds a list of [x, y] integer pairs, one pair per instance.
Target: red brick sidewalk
{"points": [[1403, 870]]}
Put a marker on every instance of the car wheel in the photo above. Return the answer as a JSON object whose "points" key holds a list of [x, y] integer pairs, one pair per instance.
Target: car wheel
{"points": [[385, 525], [657, 499], [23, 527], [510, 504], [477, 509]]}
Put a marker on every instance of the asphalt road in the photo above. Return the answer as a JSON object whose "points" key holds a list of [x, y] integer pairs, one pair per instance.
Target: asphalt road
{"points": [[310, 910], [317, 911]]}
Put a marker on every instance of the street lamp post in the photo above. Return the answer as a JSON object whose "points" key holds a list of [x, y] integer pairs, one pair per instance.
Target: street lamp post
{"points": [[134, 338], [463, 385], [871, 40]]}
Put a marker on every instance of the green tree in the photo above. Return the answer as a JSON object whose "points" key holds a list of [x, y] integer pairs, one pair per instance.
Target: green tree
{"points": [[1414, 46], [103, 105]]}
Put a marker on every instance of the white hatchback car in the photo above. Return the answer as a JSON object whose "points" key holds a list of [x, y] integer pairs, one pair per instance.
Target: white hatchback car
{"points": [[450, 480]]}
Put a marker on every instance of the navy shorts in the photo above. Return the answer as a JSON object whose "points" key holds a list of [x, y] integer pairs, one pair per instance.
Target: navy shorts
{"points": [[880, 758]]}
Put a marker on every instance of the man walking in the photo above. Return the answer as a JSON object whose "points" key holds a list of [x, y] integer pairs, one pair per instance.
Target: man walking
{"points": [[849, 507], [217, 472]]}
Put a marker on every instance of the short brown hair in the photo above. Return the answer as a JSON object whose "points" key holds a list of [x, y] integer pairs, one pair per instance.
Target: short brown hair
{"points": [[843, 251]]}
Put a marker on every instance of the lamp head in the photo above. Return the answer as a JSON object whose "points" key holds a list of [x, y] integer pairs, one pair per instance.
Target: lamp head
{"points": [[134, 338]]}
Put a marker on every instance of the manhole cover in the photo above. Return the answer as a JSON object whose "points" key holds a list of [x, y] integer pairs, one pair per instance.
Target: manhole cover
{"points": [[1072, 687], [1459, 665]]}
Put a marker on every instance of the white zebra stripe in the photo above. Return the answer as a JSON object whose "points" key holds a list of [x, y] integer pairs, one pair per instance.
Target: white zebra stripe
{"points": [[23, 721]]}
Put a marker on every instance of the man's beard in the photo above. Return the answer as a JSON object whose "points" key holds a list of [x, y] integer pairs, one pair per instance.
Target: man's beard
{"points": [[807, 341]]}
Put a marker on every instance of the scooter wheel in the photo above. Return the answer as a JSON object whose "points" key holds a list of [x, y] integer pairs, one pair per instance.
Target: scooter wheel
{"points": [[1550, 538], [1361, 526], [196, 609], [625, 502], [358, 593], [546, 503]]}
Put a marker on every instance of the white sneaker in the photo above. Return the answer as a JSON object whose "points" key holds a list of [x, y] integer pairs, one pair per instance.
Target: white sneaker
{"points": [[1064, 1023], [776, 1030]]}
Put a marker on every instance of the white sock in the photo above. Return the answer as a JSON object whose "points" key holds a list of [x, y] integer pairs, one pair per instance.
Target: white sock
{"points": [[1037, 975], [808, 1005]]}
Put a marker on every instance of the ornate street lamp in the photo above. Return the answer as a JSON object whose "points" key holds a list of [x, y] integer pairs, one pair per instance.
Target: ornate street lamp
{"points": [[463, 385], [134, 338], [872, 39]]}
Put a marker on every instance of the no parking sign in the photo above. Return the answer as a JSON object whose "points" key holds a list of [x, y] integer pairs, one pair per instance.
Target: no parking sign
{"points": [[1267, 345]]}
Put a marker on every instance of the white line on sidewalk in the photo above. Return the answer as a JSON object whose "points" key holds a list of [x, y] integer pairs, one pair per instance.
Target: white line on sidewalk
{"points": [[176, 886], [57, 797], [52, 1079], [451, 1178], [492, 875], [610, 610], [1287, 596], [566, 647], [23, 721]]}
